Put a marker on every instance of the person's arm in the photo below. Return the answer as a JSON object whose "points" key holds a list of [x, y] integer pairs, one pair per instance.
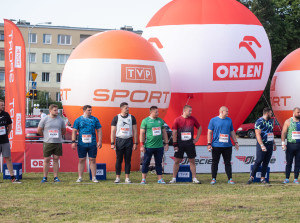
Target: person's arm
{"points": [[259, 139], [233, 136], [199, 130], [63, 131], [99, 134], [40, 131], [284, 133], [113, 130], [9, 128], [209, 139], [165, 139], [135, 137], [142, 139], [175, 143], [74, 134]]}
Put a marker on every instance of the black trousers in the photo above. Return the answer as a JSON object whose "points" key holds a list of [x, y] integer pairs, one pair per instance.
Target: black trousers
{"points": [[263, 159], [226, 154], [292, 151], [123, 150]]}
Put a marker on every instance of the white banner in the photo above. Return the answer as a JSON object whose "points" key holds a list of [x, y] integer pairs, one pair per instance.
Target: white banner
{"points": [[241, 160]]}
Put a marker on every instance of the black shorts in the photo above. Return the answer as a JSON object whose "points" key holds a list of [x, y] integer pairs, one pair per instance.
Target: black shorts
{"points": [[190, 151]]}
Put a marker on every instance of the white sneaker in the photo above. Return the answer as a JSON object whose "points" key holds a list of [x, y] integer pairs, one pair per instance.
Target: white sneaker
{"points": [[94, 180], [195, 181], [117, 180], [173, 181], [79, 180], [127, 181]]}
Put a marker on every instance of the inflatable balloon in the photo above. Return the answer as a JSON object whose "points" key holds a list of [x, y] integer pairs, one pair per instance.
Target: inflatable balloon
{"points": [[284, 91], [217, 53], [107, 69]]}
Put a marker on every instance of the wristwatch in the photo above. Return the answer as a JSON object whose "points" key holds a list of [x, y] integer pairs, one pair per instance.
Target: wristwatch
{"points": [[73, 141]]}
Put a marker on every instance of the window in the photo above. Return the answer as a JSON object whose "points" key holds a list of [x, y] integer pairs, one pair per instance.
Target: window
{"points": [[83, 37], [47, 96], [58, 76], [1, 36], [33, 38], [1, 54], [46, 58], [2, 75], [62, 58], [58, 96], [45, 77], [47, 38], [32, 57], [64, 40]]}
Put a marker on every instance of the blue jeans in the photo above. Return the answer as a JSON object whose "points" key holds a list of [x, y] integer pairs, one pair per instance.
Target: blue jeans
{"points": [[262, 158], [158, 156]]}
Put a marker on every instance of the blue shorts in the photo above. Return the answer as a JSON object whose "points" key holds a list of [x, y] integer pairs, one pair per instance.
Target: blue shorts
{"points": [[90, 150]]}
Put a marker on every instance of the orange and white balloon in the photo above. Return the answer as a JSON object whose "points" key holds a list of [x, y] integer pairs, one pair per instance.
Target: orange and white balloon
{"points": [[284, 91]]}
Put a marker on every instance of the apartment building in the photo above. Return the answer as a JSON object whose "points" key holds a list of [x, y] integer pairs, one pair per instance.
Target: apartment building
{"points": [[50, 48]]}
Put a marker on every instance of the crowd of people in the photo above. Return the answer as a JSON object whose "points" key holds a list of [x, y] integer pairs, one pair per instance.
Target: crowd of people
{"points": [[153, 140]]}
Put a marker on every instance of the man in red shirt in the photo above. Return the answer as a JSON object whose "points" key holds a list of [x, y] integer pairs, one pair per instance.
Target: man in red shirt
{"points": [[184, 142]]}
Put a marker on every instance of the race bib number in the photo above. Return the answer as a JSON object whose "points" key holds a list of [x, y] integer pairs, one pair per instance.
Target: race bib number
{"points": [[87, 138], [186, 136], [270, 137], [295, 135], [156, 131], [223, 138], [53, 133], [124, 131], [2, 130]]}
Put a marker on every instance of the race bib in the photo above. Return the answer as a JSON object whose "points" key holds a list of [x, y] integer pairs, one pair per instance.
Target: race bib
{"points": [[2, 130], [223, 138], [295, 135], [186, 136], [53, 133], [270, 137], [87, 138], [156, 131], [124, 131]]}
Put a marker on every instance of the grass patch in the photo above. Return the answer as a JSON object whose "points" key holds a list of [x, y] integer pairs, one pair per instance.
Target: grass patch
{"points": [[68, 201]]}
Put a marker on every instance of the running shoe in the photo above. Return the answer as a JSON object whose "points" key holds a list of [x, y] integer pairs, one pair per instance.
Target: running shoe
{"points": [[250, 181], [15, 181], [173, 181], [79, 180], [94, 180], [286, 181], [161, 181], [44, 180], [117, 180], [263, 181], [56, 179], [230, 181], [127, 181], [213, 181], [296, 181], [143, 181], [195, 181]]}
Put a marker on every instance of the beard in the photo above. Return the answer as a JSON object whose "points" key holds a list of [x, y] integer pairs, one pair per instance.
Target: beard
{"points": [[268, 118], [297, 117]]}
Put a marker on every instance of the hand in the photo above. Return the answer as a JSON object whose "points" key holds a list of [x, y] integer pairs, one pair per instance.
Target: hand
{"points": [[263, 148], [284, 147], [73, 145], [209, 148], [274, 147], [195, 140], [134, 147], [99, 145], [166, 146], [237, 147], [176, 148], [142, 149], [113, 147]]}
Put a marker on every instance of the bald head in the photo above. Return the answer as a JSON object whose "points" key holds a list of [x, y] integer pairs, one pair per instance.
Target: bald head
{"points": [[296, 113], [223, 112]]}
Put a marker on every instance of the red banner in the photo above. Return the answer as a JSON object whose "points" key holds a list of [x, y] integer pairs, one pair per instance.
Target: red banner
{"points": [[15, 82]]}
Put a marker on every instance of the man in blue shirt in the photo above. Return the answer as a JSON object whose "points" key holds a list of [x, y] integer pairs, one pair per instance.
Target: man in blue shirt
{"points": [[265, 144], [86, 125], [220, 129]]}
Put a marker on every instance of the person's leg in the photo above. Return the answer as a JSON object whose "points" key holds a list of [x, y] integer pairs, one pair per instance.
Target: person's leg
{"points": [[178, 158], [289, 156], [82, 159], [119, 160], [5, 149], [226, 153], [47, 152], [92, 153], [216, 154], [266, 161], [146, 162], [127, 159], [260, 155], [55, 165], [191, 154], [9, 166], [158, 157], [297, 161]]}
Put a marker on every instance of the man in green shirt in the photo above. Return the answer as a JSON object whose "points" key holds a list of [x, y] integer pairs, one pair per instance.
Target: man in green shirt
{"points": [[156, 142]]}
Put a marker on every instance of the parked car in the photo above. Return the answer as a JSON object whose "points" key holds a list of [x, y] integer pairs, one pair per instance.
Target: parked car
{"points": [[31, 126], [248, 129]]}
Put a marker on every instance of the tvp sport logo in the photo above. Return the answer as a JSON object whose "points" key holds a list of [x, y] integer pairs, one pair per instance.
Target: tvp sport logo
{"points": [[138, 74]]}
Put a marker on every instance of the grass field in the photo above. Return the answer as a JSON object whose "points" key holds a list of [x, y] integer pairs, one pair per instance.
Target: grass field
{"points": [[68, 201]]}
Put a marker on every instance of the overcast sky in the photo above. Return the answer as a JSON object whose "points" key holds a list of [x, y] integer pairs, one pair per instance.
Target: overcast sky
{"points": [[110, 14]]}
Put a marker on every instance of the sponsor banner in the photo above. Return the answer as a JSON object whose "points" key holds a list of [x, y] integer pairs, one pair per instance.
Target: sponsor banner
{"points": [[15, 76], [241, 160]]}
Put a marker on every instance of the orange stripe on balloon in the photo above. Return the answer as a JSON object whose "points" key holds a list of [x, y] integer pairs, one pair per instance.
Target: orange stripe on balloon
{"points": [[290, 62]]}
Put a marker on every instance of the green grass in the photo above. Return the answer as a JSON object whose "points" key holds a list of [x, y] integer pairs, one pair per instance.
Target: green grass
{"points": [[107, 202]]}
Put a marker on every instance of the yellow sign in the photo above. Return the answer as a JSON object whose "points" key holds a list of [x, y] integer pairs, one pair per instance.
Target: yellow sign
{"points": [[34, 75], [28, 94]]}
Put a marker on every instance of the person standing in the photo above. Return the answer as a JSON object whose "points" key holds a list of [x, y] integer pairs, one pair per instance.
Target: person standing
{"points": [[291, 131], [220, 129], [184, 142], [265, 144], [42, 114], [156, 142], [123, 130], [5, 129], [52, 128], [86, 125]]}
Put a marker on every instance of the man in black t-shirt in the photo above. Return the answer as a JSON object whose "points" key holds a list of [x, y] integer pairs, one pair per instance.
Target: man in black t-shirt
{"points": [[5, 128], [123, 128]]}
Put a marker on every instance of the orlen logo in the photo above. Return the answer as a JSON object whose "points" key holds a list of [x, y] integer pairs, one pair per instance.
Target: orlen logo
{"points": [[240, 71], [138, 74], [39, 163], [251, 159]]}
